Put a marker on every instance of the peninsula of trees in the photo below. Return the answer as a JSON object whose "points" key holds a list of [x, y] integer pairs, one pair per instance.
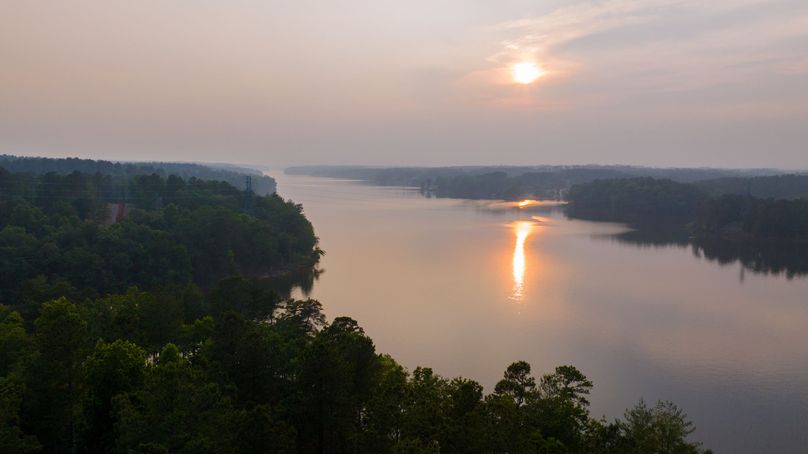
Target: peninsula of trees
{"points": [[647, 201], [84, 235]]}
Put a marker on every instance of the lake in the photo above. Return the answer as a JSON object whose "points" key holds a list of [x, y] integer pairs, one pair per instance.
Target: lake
{"points": [[468, 287]]}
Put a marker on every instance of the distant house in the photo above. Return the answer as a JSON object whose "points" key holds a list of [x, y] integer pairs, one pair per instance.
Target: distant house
{"points": [[115, 213]]}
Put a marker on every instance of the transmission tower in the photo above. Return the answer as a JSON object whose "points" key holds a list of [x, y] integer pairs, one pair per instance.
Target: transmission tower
{"points": [[248, 194]]}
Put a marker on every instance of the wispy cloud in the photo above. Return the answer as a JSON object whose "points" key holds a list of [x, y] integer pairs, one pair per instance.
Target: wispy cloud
{"points": [[664, 45], [384, 81]]}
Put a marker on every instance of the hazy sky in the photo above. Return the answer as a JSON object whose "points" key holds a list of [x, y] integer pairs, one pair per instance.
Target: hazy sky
{"points": [[652, 82]]}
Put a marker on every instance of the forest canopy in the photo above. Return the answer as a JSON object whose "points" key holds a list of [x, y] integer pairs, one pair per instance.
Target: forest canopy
{"points": [[133, 373], [86, 235], [648, 201], [132, 321]]}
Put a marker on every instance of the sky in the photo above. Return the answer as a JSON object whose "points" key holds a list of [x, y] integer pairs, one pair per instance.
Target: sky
{"points": [[721, 83]]}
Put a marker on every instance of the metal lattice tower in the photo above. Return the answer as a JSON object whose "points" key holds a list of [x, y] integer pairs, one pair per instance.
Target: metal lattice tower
{"points": [[248, 192]]}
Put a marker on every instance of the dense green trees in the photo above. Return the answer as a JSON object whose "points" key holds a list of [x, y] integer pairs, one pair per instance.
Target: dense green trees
{"points": [[280, 380], [54, 242], [12, 438], [636, 200], [53, 378], [747, 217], [663, 428], [647, 202], [111, 370]]}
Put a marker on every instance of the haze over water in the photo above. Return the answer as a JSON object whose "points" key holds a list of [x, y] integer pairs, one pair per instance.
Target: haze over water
{"points": [[466, 290]]}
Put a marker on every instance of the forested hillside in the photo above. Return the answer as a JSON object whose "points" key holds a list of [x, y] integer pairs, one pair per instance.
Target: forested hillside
{"points": [[636, 200], [86, 235], [652, 202]]}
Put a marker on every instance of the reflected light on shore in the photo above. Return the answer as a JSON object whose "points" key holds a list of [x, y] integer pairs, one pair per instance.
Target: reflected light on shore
{"points": [[522, 230]]}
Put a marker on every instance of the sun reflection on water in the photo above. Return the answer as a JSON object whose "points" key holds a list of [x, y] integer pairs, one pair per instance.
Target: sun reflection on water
{"points": [[522, 230]]}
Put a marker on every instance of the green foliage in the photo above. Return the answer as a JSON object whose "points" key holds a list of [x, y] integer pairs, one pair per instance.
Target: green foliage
{"points": [[112, 369], [663, 204], [247, 381], [636, 200], [12, 438], [563, 408], [56, 238], [414, 446], [517, 384], [132, 338], [53, 379], [383, 414], [744, 217], [661, 429], [178, 409], [337, 372], [245, 297], [15, 344]]}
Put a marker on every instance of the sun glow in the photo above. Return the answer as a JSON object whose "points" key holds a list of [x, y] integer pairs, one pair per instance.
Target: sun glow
{"points": [[526, 72], [522, 229], [527, 203]]}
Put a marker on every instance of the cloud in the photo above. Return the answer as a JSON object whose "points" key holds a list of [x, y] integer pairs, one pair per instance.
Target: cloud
{"points": [[364, 81], [652, 46]]}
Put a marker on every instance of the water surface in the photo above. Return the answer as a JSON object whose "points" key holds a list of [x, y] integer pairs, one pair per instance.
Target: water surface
{"points": [[467, 288]]}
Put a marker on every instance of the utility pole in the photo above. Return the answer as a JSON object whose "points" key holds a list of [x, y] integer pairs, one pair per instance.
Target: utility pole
{"points": [[248, 194]]}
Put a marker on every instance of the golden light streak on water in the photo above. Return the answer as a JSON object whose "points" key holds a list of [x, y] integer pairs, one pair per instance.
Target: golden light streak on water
{"points": [[522, 230]]}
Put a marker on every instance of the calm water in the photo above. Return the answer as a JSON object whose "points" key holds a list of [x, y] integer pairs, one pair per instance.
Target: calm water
{"points": [[467, 288]]}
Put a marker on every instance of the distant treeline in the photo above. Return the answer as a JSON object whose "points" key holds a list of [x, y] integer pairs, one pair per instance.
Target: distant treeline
{"points": [[647, 201], [513, 183], [261, 184], [740, 204], [768, 187]]}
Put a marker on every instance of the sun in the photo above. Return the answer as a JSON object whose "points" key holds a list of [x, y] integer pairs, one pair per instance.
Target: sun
{"points": [[526, 72]]}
